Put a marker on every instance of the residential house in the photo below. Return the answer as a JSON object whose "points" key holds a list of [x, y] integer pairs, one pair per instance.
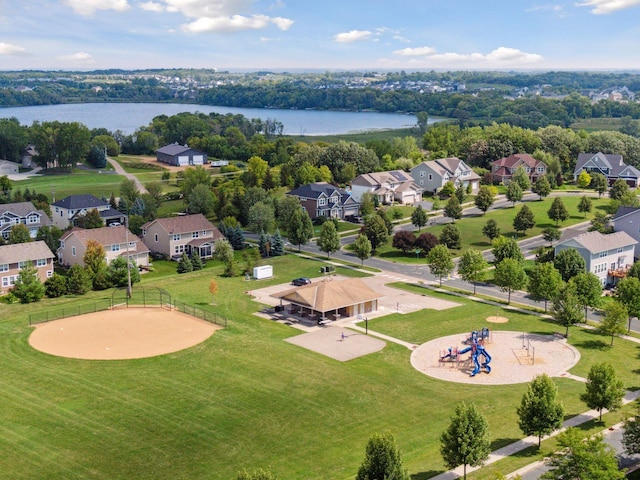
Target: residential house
{"points": [[607, 256], [503, 169], [14, 257], [66, 211], [117, 242], [174, 236], [387, 187], [12, 214], [432, 175], [627, 219], [321, 199], [180, 155], [610, 165]]}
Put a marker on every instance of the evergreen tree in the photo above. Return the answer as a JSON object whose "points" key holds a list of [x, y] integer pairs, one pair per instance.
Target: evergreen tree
{"points": [[453, 209], [264, 245], [78, 280], [119, 274], [28, 287], [540, 413], [277, 244], [603, 389], [558, 212], [585, 206], [55, 286], [541, 187], [137, 208], [112, 201], [196, 261], [123, 206], [382, 460], [419, 217], [524, 220], [450, 236], [466, 440], [184, 265], [459, 193], [491, 230], [236, 238]]}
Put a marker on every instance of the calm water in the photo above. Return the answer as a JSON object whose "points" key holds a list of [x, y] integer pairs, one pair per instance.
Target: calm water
{"points": [[128, 117]]}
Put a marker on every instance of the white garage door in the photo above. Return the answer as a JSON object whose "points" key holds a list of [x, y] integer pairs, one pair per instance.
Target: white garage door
{"points": [[183, 160], [198, 159]]}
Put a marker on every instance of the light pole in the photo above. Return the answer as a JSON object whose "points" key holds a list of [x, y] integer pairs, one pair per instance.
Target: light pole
{"points": [[126, 232]]}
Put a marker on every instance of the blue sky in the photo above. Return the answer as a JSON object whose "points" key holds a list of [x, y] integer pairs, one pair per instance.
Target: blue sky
{"points": [[320, 34]]}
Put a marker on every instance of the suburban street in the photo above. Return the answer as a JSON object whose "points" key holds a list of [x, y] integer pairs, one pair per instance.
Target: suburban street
{"points": [[423, 274]]}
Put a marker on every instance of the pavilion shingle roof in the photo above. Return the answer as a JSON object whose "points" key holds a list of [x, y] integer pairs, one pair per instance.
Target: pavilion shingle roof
{"points": [[330, 294]]}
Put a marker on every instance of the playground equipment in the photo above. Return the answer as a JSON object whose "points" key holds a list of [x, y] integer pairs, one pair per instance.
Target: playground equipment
{"points": [[475, 344]]}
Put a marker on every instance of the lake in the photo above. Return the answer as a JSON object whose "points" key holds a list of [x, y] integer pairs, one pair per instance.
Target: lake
{"points": [[128, 117]]}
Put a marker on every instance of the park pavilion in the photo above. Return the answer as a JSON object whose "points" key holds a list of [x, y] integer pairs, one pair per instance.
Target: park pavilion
{"points": [[330, 299]]}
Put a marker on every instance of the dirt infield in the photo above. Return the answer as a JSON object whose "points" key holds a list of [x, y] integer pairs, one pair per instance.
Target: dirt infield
{"points": [[121, 334], [511, 360]]}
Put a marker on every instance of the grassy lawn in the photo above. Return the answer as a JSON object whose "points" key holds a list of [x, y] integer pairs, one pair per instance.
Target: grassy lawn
{"points": [[245, 398], [471, 227], [79, 182]]}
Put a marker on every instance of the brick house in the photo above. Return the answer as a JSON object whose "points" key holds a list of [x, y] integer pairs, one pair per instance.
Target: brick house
{"points": [[504, 168]]}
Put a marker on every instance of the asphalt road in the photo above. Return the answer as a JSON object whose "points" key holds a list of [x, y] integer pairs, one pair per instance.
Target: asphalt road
{"points": [[422, 272]]}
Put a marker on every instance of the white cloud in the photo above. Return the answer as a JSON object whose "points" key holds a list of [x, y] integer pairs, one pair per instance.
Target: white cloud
{"points": [[11, 49], [502, 56], [415, 52], [151, 7], [402, 39], [557, 10], [601, 7], [223, 16], [80, 57], [89, 7], [353, 36]]}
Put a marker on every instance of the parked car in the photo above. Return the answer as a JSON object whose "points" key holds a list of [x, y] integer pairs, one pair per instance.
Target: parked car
{"points": [[353, 219], [298, 282]]}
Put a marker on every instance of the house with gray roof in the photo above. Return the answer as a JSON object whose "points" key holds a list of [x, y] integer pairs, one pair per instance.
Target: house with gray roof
{"points": [[66, 211], [387, 187], [12, 214], [14, 257], [117, 242], [611, 166], [171, 237], [607, 256], [627, 219], [180, 155], [432, 175], [321, 199]]}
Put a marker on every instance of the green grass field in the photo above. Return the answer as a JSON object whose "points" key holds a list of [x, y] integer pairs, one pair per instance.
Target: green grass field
{"points": [[247, 399], [471, 227], [80, 182]]}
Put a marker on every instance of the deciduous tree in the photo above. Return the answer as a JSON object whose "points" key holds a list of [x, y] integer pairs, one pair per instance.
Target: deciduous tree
{"points": [[541, 187], [628, 293], [510, 276], [603, 389], [569, 263], [453, 209], [328, 241], [521, 178], [425, 242], [588, 290], [504, 247], [440, 262], [599, 183], [544, 282], [585, 206], [615, 317], [450, 236], [558, 212], [466, 440], [19, 234], [419, 217], [514, 193], [404, 240], [524, 220], [540, 413], [382, 460], [491, 230], [472, 267], [631, 434], [362, 248], [300, 228], [376, 231], [566, 307], [584, 179], [484, 199]]}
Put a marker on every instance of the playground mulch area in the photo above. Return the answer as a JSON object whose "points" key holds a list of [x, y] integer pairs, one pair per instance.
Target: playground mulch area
{"points": [[516, 357], [120, 334], [338, 343]]}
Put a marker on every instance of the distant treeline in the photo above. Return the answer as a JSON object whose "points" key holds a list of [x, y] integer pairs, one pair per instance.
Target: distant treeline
{"points": [[329, 92]]}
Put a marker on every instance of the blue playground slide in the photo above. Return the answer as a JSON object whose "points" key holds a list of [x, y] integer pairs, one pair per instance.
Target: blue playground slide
{"points": [[477, 350]]}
